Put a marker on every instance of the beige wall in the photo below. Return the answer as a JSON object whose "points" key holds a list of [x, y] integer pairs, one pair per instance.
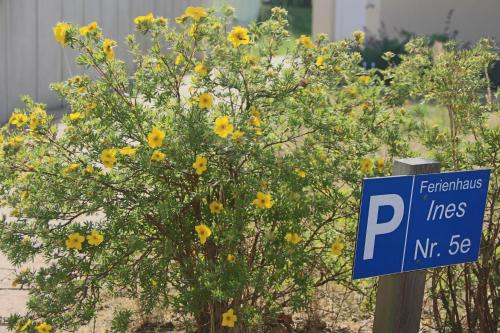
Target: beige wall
{"points": [[323, 17], [472, 18], [30, 59]]}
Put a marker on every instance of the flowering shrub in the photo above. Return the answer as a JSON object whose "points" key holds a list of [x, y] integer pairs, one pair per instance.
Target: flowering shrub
{"points": [[464, 297], [218, 180]]}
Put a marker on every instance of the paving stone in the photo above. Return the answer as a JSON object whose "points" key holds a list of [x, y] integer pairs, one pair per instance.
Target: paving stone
{"points": [[12, 301], [7, 275]]}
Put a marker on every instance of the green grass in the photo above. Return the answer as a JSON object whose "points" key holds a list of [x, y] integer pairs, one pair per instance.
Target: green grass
{"points": [[433, 114], [438, 115], [288, 45]]}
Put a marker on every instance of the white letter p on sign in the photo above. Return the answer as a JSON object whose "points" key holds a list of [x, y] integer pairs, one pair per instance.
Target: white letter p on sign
{"points": [[373, 228]]}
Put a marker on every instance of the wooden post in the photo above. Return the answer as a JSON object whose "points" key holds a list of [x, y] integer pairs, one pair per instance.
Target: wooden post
{"points": [[400, 296]]}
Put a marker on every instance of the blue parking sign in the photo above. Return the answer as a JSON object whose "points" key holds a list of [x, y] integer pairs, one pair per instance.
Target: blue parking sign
{"points": [[414, 222]]}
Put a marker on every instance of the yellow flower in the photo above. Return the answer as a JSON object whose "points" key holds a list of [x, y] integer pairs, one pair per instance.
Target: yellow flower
{"points": [[258, 131], [249, 59], [75, 116], [108, 157], [71, 168], [263, 200], [300, 173], [37, 117], [380, 164], [34, 122], [18, 119], [75, 241], [223, 127], [229, 318], [88, 169], [128, 151], [158, 156], [203, 232], [196, 13], [293, 238], [19, 322], [179, 59], [107, 47], [26, 240], [25, 326], [364, 79], [60, 32], [237, 136], [200, 164], [216, 207], [231, 258], [155, 138], [193, 30], [337, 248], [181, 19], [91, 106], [44, 328], [320, 62], [359, 37], [91, 27], [365, 106], [25, 195], [238, 36], [15, 212], [205, 101], [201, 69], [144, 19], [305, 41], [16, 140], [95, 238], [254, 112], [255, 121], [366, 165], [351, 90], [162, 21]]}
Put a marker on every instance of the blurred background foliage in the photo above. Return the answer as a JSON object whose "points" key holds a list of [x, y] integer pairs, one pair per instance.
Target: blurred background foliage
{"points": [[299, 14]]}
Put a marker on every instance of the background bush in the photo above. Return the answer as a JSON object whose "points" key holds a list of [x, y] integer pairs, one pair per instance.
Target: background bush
{"points": [[299, 14]]}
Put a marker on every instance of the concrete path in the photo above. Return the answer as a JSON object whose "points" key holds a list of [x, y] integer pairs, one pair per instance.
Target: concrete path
{"points": [[12, 300]]}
